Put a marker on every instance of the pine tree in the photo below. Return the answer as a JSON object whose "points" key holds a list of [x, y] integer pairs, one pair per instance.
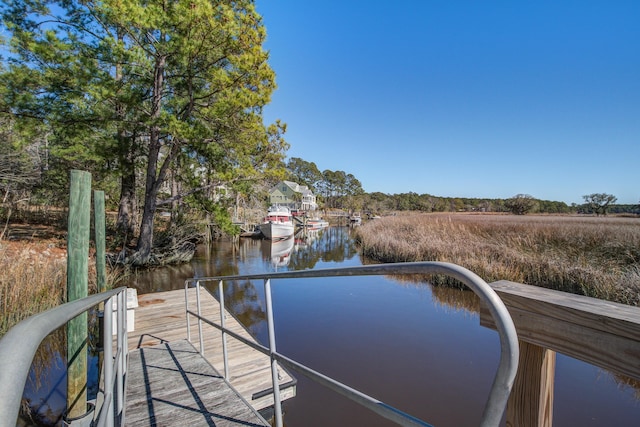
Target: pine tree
{"points": [[177, 86]]}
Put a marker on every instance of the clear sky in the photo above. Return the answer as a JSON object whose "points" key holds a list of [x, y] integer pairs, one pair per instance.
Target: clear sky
{"points": [[483, 99]]}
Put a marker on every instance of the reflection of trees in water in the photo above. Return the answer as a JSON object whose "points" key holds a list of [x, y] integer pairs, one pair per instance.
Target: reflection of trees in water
{"points": [[454, 295], [220, 259], [623, 381], [44, 398], [338, 245], [242, 298], [447, 297], [306, 254], [245, 303], [159, 279], [332, 244], [456, 299]]}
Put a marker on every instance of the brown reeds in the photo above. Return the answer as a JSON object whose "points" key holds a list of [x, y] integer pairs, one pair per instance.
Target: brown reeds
{"points": [[597, 257], [33, 279]]}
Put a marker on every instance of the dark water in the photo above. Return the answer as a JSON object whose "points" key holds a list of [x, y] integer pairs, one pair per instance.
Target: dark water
{"points": [[414, 347], [45, 392]]}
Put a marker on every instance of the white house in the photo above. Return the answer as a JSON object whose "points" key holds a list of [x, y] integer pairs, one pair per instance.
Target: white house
{"points": [[292, 195]]}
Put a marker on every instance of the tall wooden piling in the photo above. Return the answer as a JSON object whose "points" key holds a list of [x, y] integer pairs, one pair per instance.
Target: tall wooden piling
{"points": [[100, 237], [77, 288]]}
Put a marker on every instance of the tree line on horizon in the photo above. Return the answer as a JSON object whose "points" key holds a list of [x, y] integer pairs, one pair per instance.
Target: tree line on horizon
{"points": [[338, 189], [378, 202]]}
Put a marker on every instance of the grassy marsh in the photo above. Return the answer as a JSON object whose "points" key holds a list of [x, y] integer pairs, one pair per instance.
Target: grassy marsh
{"points": [[593, 256], [33, 279]]}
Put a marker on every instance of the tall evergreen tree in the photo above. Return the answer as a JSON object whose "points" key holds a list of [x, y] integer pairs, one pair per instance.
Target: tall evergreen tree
{"points": [[304, 173], [178, 86]]}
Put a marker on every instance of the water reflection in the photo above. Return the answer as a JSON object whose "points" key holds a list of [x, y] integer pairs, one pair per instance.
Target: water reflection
{"points": [[306, 250], [243, 299], [416, 347], [44, 398], [326, 245], [278, 252], [451, 298]]}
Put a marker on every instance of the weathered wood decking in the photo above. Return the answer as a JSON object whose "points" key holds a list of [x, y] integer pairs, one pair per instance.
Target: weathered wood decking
{"points": [[160, 319], [171, 384]]}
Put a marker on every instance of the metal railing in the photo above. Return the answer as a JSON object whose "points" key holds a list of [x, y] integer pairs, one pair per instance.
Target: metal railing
{"points": [[19, 345], [509, 350]]}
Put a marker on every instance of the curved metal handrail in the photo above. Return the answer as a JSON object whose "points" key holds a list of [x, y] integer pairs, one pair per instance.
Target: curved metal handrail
{"points": [[19, 345], [509, 349]]}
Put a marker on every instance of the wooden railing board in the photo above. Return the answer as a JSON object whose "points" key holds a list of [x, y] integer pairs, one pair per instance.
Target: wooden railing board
{"points": [[606, 316], [574, 325], [603, 333]]}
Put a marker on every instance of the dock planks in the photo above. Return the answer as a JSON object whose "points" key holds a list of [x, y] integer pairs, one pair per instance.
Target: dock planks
{"points": [[172, 384], [160, 318]]}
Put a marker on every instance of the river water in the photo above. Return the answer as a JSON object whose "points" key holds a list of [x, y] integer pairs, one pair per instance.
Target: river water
{"points": [[418, 348]]}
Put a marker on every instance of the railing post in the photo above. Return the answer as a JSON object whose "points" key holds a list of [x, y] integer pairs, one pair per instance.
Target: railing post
{"points": [[120, 363], [107, 332], [99, 227], [531, 401], [224, 333], [277, 406], [186, 309], [199, 309], [125, 350]]}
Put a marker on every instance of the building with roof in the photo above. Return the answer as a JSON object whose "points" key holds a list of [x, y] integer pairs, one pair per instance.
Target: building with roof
{"points": [[293, 195]]}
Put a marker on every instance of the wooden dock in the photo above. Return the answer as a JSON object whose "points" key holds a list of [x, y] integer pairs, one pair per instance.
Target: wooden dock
{"points": [[160, 319], [172, 384]]}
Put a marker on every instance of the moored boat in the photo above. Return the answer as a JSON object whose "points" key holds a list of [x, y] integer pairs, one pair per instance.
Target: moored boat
{"points": [[355, 219], [278, 224], [316, 223]]}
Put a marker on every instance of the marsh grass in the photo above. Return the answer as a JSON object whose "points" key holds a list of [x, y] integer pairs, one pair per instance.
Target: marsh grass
{"points": [[597, 257], [33, 278]]}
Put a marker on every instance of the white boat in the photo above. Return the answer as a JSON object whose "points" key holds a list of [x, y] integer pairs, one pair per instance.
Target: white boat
{"points": [[355, 219], [316, 223], [278, 224]]}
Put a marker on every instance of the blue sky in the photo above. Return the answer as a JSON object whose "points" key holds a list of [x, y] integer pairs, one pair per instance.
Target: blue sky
{"points": [[483, 99]]}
